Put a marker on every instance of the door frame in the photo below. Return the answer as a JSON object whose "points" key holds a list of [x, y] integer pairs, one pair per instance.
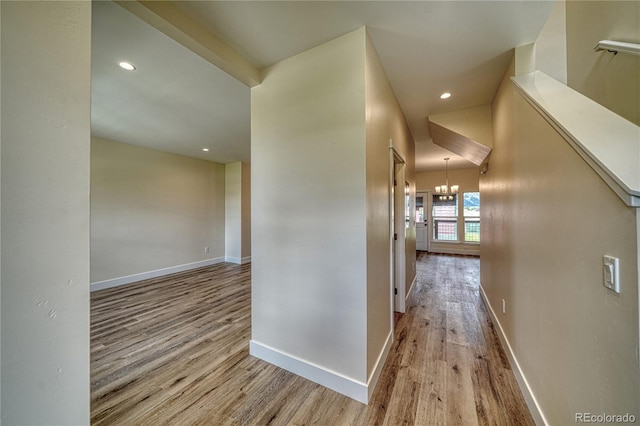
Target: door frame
{"points": [[426, 206], [397, 234]]}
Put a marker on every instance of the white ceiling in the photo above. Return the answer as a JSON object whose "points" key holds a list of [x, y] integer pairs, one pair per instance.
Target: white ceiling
{"points": [[426, 48], [174, 101]]}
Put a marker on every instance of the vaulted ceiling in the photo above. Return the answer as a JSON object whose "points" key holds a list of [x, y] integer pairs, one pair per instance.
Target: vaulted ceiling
{"points": [[176, 101]]}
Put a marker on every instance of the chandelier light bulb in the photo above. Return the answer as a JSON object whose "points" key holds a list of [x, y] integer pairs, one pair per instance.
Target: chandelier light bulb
{"points": [[446, 190]]}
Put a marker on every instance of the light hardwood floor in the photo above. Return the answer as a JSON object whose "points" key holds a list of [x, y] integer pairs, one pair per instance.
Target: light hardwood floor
{"points": [[174, 351]]}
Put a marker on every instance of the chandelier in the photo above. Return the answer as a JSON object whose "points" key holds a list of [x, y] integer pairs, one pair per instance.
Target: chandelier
{"points": [[445, 191]]}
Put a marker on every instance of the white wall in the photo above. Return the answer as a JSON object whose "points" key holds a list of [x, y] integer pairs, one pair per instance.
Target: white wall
{"points": [[308, 202], [547, 220], [152, 210], [45, 212]]}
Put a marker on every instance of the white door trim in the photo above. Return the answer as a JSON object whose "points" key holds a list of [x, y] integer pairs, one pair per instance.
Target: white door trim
{"points": [[397, 247]]}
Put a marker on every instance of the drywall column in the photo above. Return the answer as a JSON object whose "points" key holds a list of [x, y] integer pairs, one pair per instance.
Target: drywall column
{"points": [[233, 212], [245, 186], [309, 215], [45, 212], [237, 213]]}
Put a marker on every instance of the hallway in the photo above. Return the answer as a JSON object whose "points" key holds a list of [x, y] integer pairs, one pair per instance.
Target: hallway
{"points": [[464, 359], [161, 355]]}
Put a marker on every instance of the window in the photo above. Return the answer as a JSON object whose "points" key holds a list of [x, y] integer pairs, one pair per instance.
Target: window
{"points": [[420, 208], [445, 218], [407, 206], [471, 213]]}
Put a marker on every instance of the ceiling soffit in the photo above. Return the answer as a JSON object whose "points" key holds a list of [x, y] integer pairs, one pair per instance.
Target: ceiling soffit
{"points": [[467, 148], [170, 20]]}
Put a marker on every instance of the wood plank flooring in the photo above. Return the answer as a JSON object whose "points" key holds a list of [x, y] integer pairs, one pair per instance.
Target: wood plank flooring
{"points": [[174, 351]]}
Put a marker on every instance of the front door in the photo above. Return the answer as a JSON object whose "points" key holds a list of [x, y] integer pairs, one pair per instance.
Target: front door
{"points": [[422, 233]]}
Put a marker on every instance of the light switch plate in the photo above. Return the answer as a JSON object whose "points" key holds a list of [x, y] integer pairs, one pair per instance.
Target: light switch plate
{"points": [[611, 267]]}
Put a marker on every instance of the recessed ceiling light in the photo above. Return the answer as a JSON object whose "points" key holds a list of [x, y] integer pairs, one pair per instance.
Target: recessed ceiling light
{"points": [[126, 65], [445, 95], [205, 149]]}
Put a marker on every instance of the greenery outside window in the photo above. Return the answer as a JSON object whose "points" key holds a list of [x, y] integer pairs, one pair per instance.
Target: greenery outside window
{"points": [[471, 213]]}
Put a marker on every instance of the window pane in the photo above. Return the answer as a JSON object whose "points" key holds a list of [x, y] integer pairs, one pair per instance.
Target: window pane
{"points": [[471, 204], [419, 208], [446, 207], [445, 229], [471, 212], [445, 218], [472, 230]]}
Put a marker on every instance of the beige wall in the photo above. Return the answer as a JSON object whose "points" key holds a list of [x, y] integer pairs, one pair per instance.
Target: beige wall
{"points": [[45, 212], [468, 181], [547, 221], [245, 252], [611, 80], [551, 44], [237, 212], [233, 211], [384, 121], [308, 197], [152, 210]]}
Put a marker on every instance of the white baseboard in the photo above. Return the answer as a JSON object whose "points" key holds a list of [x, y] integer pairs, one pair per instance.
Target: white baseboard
{"points": [[411, 289], [238, 260], [455, 251], [527, 393], [377, 369], [318, 374], [359, 391], [114, 282]]}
